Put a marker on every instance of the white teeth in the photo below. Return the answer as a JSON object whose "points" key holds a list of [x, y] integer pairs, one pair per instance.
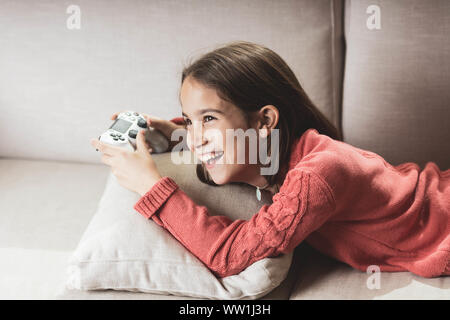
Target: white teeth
{"points": [[210, 156]]}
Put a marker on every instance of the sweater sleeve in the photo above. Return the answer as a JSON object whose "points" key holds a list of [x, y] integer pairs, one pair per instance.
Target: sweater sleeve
{"points": [[227, 247], [178, 120]]}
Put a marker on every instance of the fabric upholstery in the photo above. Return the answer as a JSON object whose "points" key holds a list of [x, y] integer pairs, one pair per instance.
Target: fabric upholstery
{"points": [[44, 208], [396, 99], [322, 277], [64, 84]]}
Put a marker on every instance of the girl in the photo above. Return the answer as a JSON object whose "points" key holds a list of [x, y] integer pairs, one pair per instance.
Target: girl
{"points": [[346, 202]]}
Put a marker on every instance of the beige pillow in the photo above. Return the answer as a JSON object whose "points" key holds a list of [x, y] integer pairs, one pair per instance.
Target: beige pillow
{"points": [[121, 250]]}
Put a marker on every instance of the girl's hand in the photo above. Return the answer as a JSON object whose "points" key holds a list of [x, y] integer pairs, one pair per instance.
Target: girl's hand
{"points": [[134, 170], [165, 126]]}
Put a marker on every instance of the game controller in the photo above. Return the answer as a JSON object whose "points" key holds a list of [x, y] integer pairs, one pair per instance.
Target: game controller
{"points": [[124, 130]]}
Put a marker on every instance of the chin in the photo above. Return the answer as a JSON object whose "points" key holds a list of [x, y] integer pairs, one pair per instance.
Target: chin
{"points": [[219, 177]]}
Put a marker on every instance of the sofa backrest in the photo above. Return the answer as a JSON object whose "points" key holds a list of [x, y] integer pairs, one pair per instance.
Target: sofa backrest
{"points": [[59, 85], [396, 96]]}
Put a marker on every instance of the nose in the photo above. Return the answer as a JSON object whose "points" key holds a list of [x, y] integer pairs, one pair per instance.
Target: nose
{"points": [[198, 139]]}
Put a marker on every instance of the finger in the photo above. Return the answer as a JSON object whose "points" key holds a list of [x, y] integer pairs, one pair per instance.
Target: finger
{"points": [[154, 122], [105, 148], [141, 144]]}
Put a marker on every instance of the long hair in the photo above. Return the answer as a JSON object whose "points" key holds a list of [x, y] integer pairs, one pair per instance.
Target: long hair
{"points": [[251, 76]]}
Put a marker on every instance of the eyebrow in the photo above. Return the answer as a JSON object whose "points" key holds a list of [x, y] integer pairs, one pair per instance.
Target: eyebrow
{"points": [[202, 111]]}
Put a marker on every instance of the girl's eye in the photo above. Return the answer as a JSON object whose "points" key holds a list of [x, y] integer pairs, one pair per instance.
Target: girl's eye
{"points": [[208, 118], [188, 122]]}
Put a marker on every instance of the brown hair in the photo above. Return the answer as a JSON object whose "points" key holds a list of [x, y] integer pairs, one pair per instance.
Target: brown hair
{"points": [[251, 76]]}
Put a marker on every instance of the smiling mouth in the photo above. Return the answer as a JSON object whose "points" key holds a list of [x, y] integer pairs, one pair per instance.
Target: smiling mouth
{"points": [[212, 158]]}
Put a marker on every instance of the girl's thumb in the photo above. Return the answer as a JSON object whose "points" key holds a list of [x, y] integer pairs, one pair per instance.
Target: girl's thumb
{"points": [[141, 144]]}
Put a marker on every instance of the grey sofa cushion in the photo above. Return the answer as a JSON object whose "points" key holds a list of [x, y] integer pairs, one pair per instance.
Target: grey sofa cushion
{"points": [[322, 277], [44, 208], [129, 54], [396, 99]]}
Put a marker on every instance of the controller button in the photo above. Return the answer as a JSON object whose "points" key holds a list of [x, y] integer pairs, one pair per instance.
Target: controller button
{"points": [[132, 118], [136, 114], [128, 114], [112, 134], [133, 134], [121, 139], [142, 123], [115, 139]]}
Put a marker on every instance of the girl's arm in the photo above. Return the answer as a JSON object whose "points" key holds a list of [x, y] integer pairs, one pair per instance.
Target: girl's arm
{"points": [[227, 247]]}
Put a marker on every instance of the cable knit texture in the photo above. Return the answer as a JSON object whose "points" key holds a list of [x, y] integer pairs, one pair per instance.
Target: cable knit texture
{"points": [[346, 202]]}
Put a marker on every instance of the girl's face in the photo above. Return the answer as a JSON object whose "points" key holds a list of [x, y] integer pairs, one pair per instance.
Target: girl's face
{"points": [[208, 118]]}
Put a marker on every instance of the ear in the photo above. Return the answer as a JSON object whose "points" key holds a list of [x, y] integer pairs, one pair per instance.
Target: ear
{"points": [[267, 120]]}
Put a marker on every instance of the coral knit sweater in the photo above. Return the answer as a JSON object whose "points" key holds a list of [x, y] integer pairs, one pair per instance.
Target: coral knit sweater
{"points": [[346, 202]]}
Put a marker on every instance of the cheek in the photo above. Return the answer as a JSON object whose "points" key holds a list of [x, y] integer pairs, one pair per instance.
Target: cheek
{"points": [[237, 152], [189, 140], [235, 163]]}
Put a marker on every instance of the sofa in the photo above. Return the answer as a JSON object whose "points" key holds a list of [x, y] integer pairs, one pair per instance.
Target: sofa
{"points": [[378, 69]]}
